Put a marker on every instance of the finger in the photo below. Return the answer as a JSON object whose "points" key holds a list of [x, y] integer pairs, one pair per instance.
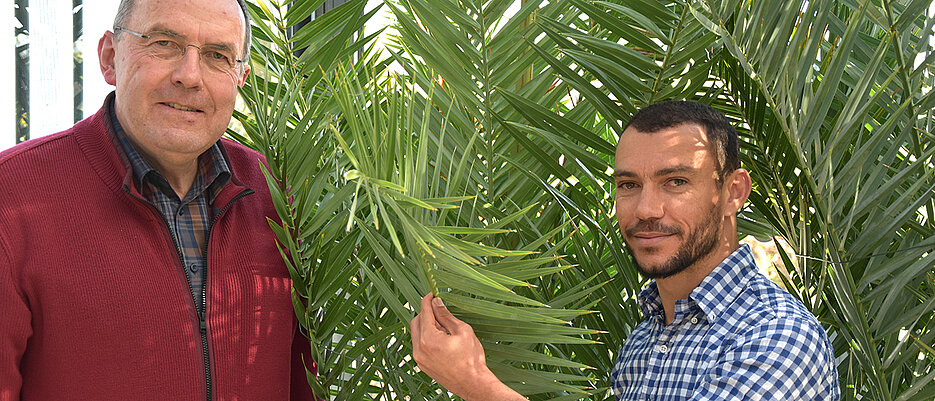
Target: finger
{"points": [[414, 332], [426, 317], [444, 317]]}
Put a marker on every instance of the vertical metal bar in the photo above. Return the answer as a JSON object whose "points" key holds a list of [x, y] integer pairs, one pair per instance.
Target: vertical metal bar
{"points": [[22, 71], [77, 32]]}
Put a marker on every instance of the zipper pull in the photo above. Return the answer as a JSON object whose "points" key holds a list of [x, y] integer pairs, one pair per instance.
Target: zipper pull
{"points": [[202, 322]]}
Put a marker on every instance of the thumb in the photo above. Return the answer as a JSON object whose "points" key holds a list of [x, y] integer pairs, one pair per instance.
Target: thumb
{"points": [[443, 316]]}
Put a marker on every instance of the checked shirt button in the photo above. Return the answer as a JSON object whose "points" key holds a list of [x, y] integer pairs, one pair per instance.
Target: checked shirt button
{"points": [[694, 320], [663, 348]]}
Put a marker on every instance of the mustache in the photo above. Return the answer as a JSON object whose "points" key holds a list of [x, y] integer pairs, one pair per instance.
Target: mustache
{"points": [[652, 226]]}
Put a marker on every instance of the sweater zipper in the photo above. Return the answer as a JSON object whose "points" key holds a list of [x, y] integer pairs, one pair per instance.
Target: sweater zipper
{"points": [[202, 315], [203, 319]]}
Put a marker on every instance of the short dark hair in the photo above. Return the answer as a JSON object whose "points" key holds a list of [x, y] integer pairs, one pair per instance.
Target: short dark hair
{"points": [[721, 134], [126, 7]]}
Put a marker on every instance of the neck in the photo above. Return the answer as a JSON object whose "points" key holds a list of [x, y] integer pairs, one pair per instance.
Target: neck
{"points": [[680, 285], [178, 169], [180, 177]]}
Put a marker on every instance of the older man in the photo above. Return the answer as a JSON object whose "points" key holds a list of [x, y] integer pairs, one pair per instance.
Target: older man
{"points": [[715, 328], [135, 257]]}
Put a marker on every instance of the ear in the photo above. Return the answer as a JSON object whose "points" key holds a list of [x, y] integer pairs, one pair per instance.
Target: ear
{"points": [[243, 77], [106, 54], [736, 189]]}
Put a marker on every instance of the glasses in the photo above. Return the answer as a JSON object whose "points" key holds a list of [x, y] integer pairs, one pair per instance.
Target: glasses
{"points": [[169, 47]]}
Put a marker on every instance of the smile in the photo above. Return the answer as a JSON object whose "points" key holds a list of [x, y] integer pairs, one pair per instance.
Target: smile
{"points": [[180, 107], [650, 239]]}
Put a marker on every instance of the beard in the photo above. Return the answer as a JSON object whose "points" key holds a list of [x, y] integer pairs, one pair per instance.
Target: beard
{"points": [[700, 242]]}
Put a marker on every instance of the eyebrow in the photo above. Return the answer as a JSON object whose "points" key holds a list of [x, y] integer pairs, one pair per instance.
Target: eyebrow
{"points": [[162, 30], [159, 29], [679, 169]]}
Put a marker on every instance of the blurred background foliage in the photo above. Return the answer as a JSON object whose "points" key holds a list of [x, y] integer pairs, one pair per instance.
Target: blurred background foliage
{"points": [[468, 153]]}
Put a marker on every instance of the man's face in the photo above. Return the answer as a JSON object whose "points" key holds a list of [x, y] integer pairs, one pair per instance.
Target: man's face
{"points": [[176, 108], [668, 202]]}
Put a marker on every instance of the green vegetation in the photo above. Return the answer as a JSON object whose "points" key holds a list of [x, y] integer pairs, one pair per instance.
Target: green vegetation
{"points": [[480, 172]]}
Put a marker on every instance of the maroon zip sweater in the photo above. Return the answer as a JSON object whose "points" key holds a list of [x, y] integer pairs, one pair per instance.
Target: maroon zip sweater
{"points": [[94, 304]]}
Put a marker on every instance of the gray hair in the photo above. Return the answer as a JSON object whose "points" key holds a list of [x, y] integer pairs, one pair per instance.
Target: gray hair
{"points": [[126, 7]]}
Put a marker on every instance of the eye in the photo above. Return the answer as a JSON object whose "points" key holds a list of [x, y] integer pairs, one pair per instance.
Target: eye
{"points": [[218, 56], [627, 185], [677, 182], [162, 43]]}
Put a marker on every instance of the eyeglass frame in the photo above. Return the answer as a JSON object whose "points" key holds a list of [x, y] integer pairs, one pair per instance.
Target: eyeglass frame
{"points": [[238, 62]]}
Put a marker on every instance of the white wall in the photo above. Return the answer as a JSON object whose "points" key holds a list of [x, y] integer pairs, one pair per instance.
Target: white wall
{"points": [[7, 71], [51, 67], [51, 55], [98, 18]]}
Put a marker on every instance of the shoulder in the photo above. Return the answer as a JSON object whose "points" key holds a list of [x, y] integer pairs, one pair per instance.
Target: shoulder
{"points": [[764, 304], [246, 164], [50, 154], [777, 349], [776, 326], [37, 168], [763, 309], [35, 152], [244, 161]]}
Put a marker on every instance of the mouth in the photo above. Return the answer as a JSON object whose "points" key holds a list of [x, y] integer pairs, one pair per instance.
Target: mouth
{"points": [[181, 107], [648, 239]]}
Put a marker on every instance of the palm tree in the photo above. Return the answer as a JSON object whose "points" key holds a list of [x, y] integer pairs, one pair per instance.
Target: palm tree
{"points": [[383, 195], [479, 172]]}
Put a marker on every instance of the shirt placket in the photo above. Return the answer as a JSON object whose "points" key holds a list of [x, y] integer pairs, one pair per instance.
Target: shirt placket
{"points": [[190, 230], [658, 360]]}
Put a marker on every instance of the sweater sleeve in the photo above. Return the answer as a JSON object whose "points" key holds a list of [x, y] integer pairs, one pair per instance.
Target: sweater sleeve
{"points": [[301, 356], [14, 331]]}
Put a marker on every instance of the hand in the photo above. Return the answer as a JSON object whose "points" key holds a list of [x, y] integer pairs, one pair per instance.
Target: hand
{"points": [[446, 349]]}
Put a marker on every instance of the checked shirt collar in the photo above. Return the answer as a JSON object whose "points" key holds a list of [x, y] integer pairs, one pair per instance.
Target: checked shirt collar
{"points": [[714, 295], [213, 171]]}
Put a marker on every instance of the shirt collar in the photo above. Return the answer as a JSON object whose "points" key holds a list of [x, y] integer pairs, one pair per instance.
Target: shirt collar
{"points": [[213, 170], [650, 303], [722, 286], [716, 292]]}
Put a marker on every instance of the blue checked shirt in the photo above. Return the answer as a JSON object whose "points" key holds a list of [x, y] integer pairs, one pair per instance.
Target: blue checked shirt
{"points": [[738, 336], [188, 219]]}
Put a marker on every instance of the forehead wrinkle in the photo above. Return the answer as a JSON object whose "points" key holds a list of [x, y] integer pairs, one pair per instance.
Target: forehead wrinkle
{"points": [[164, 30]]}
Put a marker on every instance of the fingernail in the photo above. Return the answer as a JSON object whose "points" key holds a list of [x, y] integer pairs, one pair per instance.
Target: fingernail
{"points": [[438, 302]]}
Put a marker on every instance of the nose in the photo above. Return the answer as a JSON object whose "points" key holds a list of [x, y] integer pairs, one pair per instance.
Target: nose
{"points": [[649, 204], [188, 70]]}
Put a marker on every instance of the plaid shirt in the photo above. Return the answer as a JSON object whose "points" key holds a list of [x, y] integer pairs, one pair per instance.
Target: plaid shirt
{"points": [[188, 219], [737, 337]]}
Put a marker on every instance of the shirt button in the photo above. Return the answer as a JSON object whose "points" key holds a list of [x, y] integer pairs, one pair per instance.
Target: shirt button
{"points": [[193, 267], [663, 348], [694, 320], [181, 212]]}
